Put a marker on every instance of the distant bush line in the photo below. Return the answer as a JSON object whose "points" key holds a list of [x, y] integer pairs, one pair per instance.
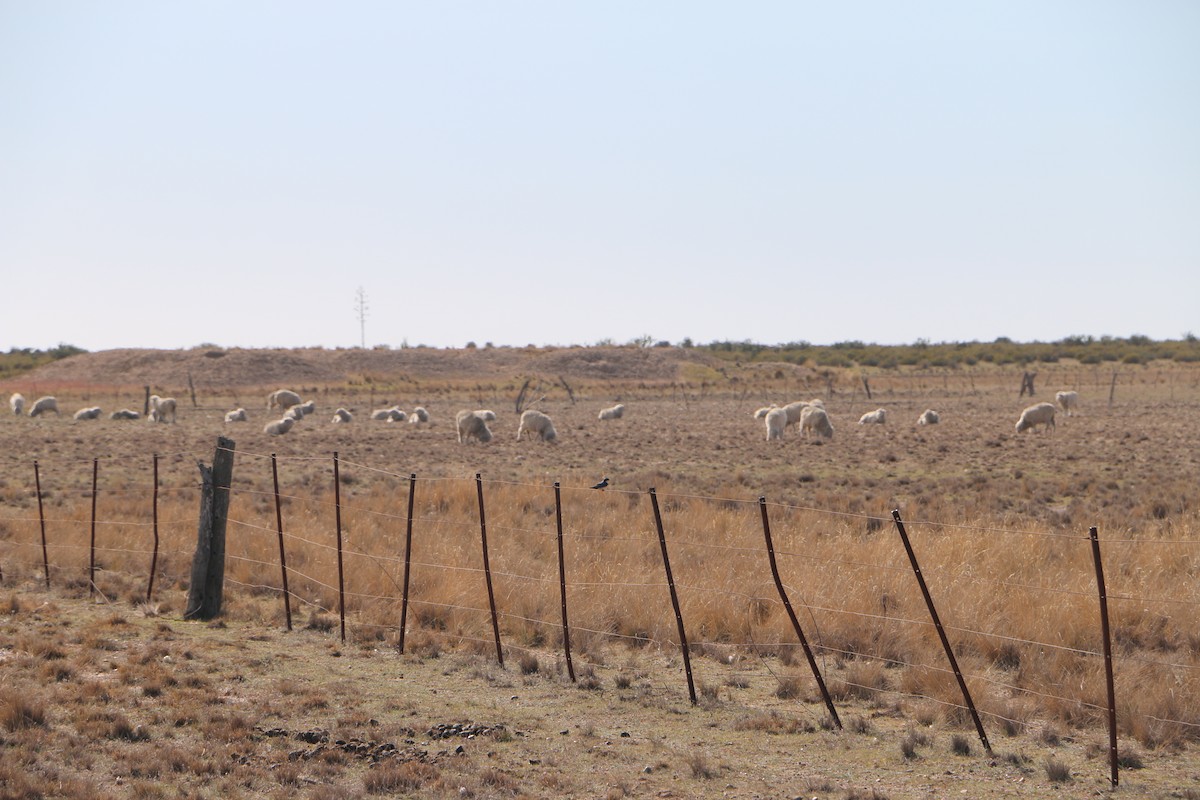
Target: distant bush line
{"points": [[953, 355], [20, 360]]}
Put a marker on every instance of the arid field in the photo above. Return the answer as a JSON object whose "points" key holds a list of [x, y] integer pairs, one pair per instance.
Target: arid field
{"points": [[998, 521]]}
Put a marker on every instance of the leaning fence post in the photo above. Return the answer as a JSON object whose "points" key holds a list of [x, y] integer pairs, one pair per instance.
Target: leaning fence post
{"points": [[487, 570], [787, 604], [937, 623], [1108, 660], [662, 541], [37, 479], [337, 505], [207, 584], [154, 557], [562, 581], [287, 598], [412, 490], [92, 547]]}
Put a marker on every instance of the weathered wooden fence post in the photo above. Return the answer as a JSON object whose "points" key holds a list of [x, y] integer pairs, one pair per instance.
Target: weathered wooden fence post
{"points": [[206, 587], [92, 546], [287, 595]]}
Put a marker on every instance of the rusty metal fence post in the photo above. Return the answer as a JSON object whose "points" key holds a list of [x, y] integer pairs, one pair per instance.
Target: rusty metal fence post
{"points": [[287, 597], [337, 503], [487, 570], [562, 581], [154, 557], [1108, 661], [92, 547], [937, 623], [37, 478], [412, 490], [787, 604], [662, 541]]}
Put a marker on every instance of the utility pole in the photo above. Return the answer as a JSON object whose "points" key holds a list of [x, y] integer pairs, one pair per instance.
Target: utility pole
{"points": [[360, 310]]}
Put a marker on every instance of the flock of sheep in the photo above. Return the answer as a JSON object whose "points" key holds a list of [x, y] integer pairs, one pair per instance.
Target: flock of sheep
{"points": [[162, 409], [808, 416]]}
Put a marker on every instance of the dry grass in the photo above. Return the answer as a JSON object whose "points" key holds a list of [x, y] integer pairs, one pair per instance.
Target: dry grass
{"points": [[998, 522]]}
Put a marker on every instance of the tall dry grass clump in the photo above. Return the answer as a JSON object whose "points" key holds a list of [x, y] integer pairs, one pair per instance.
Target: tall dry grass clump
{"points": [[1019, 604]]}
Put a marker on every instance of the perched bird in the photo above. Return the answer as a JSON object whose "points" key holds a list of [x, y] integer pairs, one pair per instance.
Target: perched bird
{"points": [[601, 484]]}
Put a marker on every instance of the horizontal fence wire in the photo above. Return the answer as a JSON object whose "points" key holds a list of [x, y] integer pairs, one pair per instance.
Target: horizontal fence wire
{"points": [[1020, 602]]}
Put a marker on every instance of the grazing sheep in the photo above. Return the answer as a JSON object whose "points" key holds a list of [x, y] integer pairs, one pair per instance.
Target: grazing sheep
{"points": [[88, 413], [796, 410], [306, 408], [17, 402], [876, 417], [282, 398], [616, 412], [161, 408], [279, 427], [814, 420], [238, 415], [1067, 401], [125, 413], [397, 416], [928, 417], [486, 414], [1041, 414], [418, 416], [43, 405], [472, 424], [535, 421], [342, 415], [776, 421], [295, 413]]}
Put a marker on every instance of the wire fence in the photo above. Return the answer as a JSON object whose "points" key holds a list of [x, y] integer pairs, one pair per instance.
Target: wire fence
{"points": [[734, 595]]}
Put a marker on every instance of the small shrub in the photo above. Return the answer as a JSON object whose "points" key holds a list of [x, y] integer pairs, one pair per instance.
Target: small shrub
{"points": [[18, 711], [960, 745], [1057, 771]]}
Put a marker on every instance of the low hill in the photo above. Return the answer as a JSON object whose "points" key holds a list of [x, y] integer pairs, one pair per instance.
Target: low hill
{"points": [[238, 367]]}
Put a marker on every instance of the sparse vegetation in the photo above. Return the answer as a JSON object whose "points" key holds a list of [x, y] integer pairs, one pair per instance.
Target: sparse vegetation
{"points": [[999, 523]]}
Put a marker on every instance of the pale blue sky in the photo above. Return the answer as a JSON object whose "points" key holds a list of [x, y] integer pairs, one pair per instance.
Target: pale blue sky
{"points": [[178, 173]]}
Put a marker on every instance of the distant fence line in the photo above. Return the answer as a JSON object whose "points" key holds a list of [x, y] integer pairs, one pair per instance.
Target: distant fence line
{"points": [[260, 522]]}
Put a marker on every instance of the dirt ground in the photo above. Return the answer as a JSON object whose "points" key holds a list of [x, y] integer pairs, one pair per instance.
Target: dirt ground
{"points": [[1129, 465]]}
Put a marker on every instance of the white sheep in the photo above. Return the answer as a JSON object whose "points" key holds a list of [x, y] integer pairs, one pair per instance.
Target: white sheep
{"points": [[393, 414], [876, 417], [342, 415], [161, 408], [1041, 414], [17, 403], [125, 413], [418, 416], [615, 412], [88, 413], [776, 421], [43, 405], [472, 424], [279, 427], [928, 417], [486, 414], [295, 413], [238, 415], [814, 420], [306, 408], [535, 421], [796, 410], [1067, 401], [762, 412], [282, 398]]}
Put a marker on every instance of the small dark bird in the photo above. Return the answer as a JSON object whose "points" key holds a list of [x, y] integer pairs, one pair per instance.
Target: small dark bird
{"points": [[601, 484]]}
